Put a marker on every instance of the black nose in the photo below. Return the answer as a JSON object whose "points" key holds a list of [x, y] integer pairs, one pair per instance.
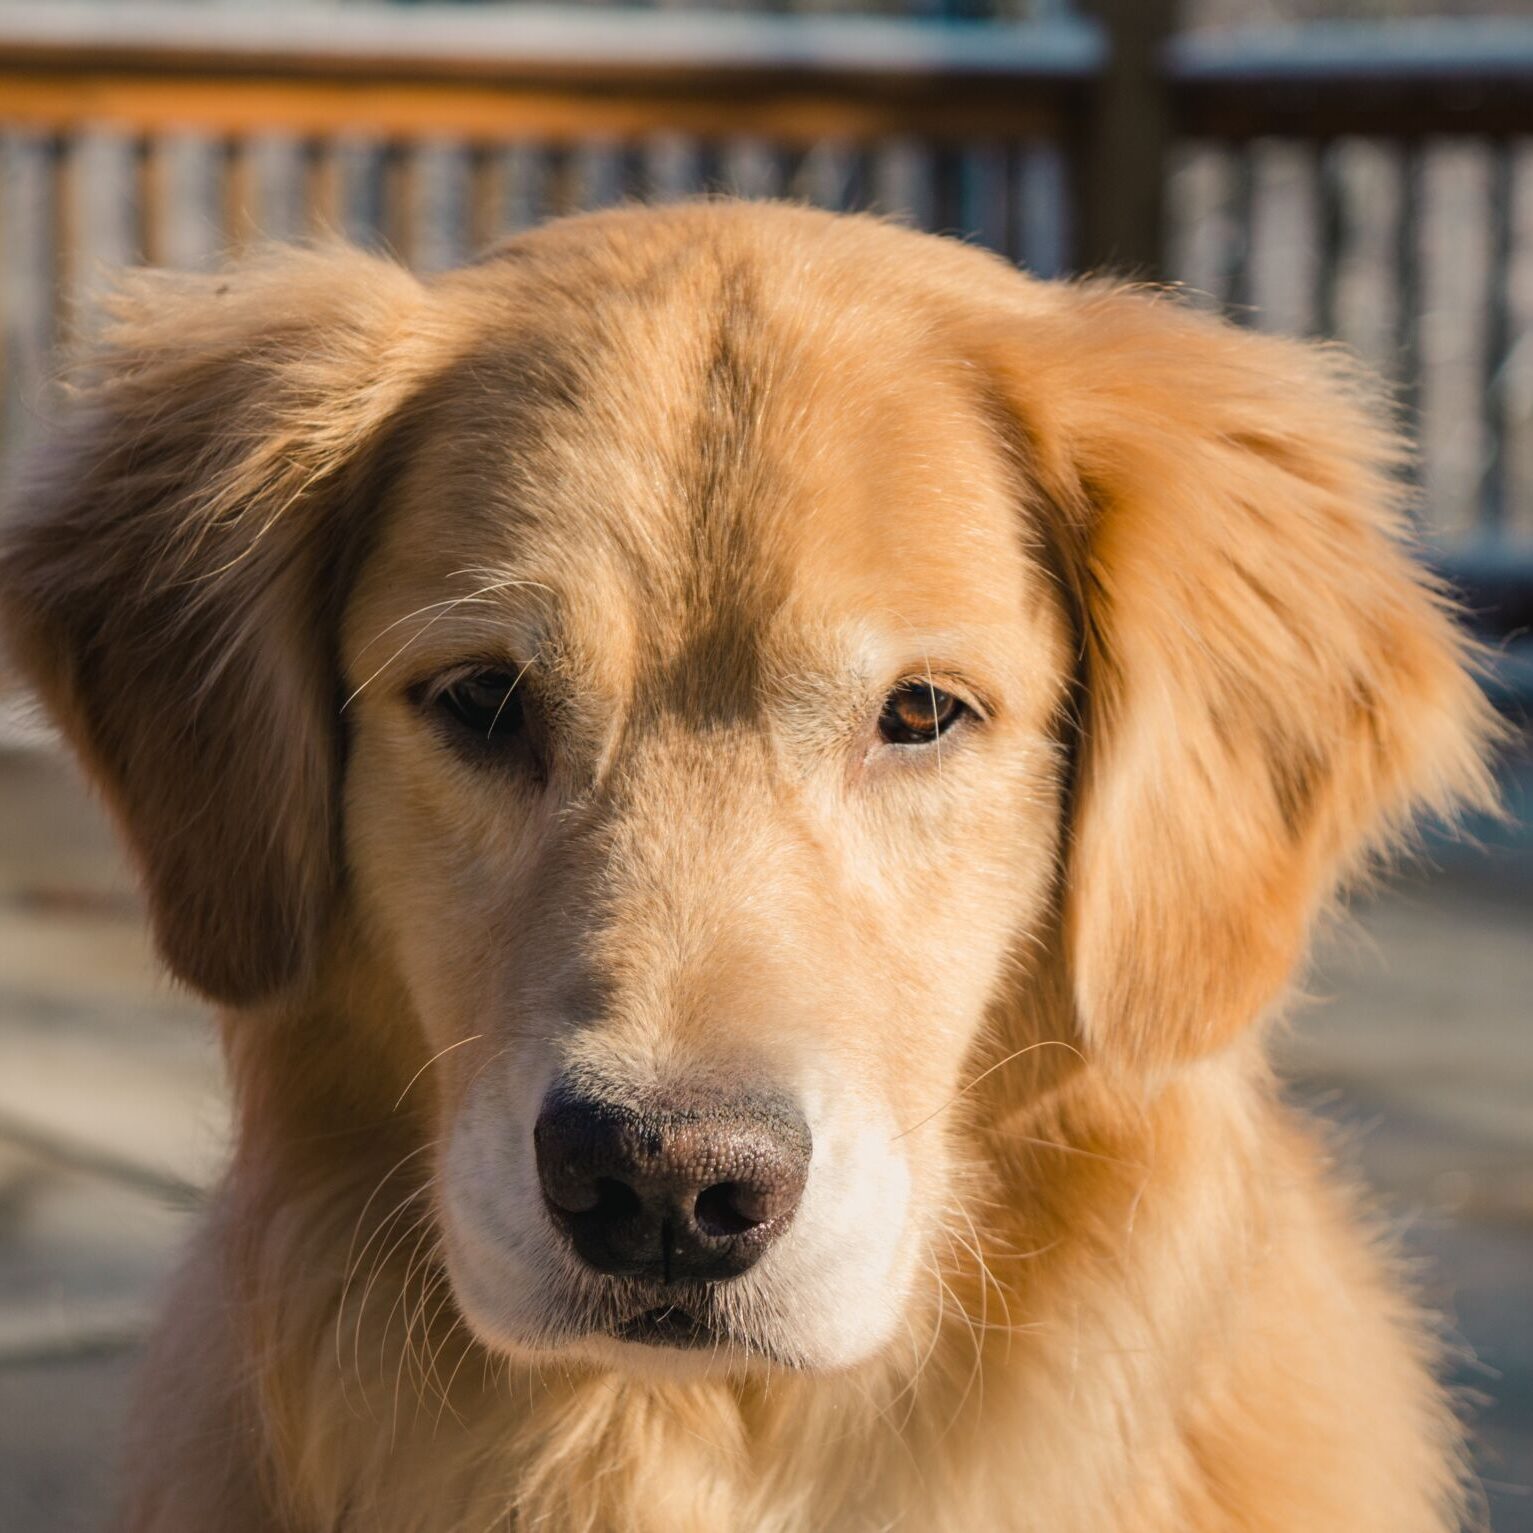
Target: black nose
{"points": [[670, 1195]]}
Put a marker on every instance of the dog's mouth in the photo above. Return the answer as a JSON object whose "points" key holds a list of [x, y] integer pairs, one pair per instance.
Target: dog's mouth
{"points": [[667, 1325]]}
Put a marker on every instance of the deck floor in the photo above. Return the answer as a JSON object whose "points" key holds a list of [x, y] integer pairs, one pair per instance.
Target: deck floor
{"points": [[111, 1118]]}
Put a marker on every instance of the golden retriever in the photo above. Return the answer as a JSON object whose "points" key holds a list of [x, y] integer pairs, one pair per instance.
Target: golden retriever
{"points": [[746, 782]]}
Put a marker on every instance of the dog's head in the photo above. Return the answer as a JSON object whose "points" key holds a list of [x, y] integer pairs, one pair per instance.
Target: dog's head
{"points": [[714, 675]]}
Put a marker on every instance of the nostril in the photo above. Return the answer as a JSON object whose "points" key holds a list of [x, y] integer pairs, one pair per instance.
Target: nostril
{"points": [[727, 1209], [616, 1200]]}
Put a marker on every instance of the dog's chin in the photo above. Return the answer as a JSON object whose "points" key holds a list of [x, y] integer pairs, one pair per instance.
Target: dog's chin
{"points": [[668, 1340], [650, 1333]]}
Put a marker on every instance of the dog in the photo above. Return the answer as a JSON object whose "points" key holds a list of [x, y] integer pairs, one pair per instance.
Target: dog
{"points": [[747, 785]]}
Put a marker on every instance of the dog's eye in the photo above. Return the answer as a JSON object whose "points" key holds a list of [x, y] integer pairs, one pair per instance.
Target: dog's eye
{"points": [[486, 703], [916, 712]]}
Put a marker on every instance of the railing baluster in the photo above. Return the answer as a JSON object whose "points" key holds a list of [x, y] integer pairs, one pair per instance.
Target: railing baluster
{"points": [[524, 171], [1497, 358], [601, 174], [401, 202], [561, 180], [1044, 212], [791, 161], [990, 196], [636, 179], [857, 190], [708, 167], [830, 177], [1330, 235], [1236, 288], [744, 170], [62, 151], [321, 177], [1011, 194], [1408, 283], [236, 189], [892, 171], [486, 195], [150, 199], [948, 200]]}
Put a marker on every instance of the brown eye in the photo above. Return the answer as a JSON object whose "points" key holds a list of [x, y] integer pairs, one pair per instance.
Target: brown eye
{"points": [[916, 713], [486, 704]]}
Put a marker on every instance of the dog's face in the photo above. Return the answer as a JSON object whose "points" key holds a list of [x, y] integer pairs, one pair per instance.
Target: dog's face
{"points": [[703, 766], [709, 665]]}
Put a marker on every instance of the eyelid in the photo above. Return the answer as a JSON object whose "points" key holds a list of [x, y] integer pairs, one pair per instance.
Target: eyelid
{"points": [[957, 687]]}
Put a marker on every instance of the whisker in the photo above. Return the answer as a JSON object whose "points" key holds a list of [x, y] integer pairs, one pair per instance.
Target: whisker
{"points": [[375, 1272], [931, 687], [449, 601], [442, 1286], [469, 1348], [975, 1341], [425, 628], [510, 691], [406, 1349], [425, 1067], [354, 1256], [1078, 1149], [963, 1091], [912, 1383]]}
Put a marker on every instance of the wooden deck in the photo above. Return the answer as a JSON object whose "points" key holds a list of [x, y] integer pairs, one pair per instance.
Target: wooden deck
{"points": [[111, 1119]]}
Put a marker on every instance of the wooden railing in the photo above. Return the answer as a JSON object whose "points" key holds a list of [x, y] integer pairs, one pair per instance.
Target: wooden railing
{"points": [[553, 80], [1423, 100], [1234, 161]]}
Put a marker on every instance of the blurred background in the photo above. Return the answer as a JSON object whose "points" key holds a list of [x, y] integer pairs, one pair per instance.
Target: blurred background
{"points": [[1355, 169]]}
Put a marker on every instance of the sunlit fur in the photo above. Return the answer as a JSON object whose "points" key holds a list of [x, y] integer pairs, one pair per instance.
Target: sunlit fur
{"points": [[723, 476]]}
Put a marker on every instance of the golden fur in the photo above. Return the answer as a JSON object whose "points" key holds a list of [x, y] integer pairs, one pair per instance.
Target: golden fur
{"points": [[726, 473]]}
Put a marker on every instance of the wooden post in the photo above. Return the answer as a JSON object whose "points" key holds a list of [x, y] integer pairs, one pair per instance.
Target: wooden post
{"points": [[1122, 156]]}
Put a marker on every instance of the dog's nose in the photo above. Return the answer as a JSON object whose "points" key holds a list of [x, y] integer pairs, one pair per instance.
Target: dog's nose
{"points": [[670, 1195]]}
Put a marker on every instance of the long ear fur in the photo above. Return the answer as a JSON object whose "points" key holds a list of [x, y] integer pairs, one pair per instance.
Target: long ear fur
{"points": [[1273, 689], [167, 574]]}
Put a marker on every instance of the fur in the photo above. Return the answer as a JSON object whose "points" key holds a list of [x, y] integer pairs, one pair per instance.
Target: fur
{"points": [[715, 478]]}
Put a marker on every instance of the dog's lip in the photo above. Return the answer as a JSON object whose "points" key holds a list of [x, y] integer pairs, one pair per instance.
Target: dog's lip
{"points": [[666, 1325]]}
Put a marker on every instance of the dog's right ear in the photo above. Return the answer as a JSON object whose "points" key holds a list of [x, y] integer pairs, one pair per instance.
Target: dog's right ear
{"points": [[168, 579]]}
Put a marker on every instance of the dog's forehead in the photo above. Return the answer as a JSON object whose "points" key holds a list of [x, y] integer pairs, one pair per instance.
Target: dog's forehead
{"points": [[677, 459]]}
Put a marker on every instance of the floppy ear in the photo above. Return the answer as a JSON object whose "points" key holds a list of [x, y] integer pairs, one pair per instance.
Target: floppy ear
{"points": [[167, 576], [1271, 688]]}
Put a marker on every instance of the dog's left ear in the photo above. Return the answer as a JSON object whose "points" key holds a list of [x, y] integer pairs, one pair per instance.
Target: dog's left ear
{"points": [[1271, 688], [168, 575]]}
